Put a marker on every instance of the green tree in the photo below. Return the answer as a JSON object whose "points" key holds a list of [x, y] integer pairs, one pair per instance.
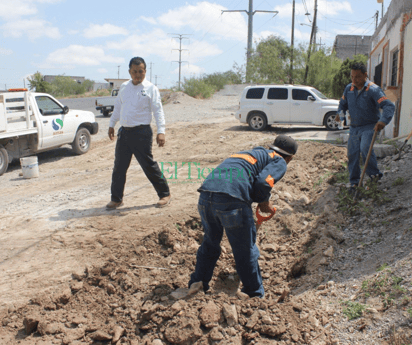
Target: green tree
{"points": [[323, 66], [37, 83], [342, 77], [269, 62], [88, 85], [63, 86]]}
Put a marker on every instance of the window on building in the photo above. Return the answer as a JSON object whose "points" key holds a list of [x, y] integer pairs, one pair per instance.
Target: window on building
{"points": [[394, 79]]}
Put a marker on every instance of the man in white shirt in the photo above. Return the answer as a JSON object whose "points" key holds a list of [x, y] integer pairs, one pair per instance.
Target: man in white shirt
{"points": [[137, 101]]}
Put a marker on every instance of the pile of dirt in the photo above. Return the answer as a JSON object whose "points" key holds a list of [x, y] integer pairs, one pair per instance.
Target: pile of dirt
{"points": [[140, 295]]}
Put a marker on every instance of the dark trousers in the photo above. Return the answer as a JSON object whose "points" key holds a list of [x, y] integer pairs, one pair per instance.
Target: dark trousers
{"points": [[137, 142], [222, 212]]}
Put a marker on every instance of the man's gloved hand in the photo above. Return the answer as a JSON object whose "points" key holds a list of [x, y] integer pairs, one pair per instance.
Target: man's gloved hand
{"points": [[379, 126], [266, 207]]}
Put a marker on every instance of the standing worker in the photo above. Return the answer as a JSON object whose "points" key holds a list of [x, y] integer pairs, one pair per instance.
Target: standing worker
{"points": [[225, 201], [137, 101], [363, 99]]}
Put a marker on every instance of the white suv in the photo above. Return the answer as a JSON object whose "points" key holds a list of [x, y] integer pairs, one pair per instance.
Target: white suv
{"points": [[263, 105]]}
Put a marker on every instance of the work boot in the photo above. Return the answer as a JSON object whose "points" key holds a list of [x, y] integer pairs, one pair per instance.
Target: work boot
{"points": [[112, 205], [164, 201]]}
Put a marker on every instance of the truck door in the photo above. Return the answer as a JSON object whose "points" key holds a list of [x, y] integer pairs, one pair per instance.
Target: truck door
{"points": [[278, 104], [304, 110], [52, 121]]}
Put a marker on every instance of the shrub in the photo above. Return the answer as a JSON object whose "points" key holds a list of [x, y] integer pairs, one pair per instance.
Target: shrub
{"points": [[198, 88]]}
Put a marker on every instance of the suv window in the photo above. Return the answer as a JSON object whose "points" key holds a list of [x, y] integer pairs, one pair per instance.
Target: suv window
{"points": [[300, 95], [278, 93], [256, 93]]}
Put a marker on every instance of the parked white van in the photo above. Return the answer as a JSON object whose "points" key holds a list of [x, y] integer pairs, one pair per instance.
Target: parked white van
{"points": [[263, 105]]}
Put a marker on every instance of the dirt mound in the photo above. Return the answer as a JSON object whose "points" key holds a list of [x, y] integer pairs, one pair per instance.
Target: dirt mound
{"points": [[140, 295]]}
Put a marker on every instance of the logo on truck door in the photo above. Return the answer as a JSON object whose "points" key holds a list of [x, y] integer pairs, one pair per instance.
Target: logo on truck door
{"points": [[57, 124]]}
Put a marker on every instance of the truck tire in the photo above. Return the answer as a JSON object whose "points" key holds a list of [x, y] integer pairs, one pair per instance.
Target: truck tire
{"points": [[257, 121], [330, 122], [106, 113], [82, 142], [4, 160]]}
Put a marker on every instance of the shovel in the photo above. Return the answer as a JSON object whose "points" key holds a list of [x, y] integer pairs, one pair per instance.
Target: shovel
{"points": [[398, 156], [261, 219], [366, 163]]}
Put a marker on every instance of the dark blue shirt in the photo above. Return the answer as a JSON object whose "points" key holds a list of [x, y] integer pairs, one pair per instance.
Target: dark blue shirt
{"points": [[247, 175], [364, 106]]}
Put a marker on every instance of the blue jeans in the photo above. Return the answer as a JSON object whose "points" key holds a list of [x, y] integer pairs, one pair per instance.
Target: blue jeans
{"points": [[220, 211], [360, 139]]}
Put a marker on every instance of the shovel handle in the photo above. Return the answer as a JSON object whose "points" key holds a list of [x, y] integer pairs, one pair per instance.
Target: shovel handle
{"points": [[367, 158]]}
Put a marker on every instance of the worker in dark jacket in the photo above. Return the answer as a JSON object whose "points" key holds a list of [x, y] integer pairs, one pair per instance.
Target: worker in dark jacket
{"points": [[363, 99], [226, 197]]}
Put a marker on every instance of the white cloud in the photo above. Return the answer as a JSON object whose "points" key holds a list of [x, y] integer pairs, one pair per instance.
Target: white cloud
{"points": [[265, 34], [81, 56], [5, 51], [102, 70], [207, 18], [148, 20], [160, 43], [95, 30], [190, 70], [33, 28], [11, 9], [73, 32]]}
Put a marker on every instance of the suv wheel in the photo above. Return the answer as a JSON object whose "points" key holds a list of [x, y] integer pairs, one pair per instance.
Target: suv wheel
{"points": [[330, 122], [257, 122]]}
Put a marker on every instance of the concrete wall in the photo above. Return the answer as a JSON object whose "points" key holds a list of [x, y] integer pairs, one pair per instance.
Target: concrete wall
{"points": [[346, 46], [405, 124]]}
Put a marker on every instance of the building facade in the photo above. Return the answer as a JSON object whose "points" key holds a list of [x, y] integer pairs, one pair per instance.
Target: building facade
{"points": [[115, 83], [50, 78], [387, 58]]}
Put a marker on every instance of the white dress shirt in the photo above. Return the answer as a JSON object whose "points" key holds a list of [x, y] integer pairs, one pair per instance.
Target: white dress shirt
{"points": [[135, 105]]}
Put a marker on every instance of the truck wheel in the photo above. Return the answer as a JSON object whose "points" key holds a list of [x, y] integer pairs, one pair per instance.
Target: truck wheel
{"points": [[106, 113], [330, 122], [4, 160], [82, 142], [257, 122]]}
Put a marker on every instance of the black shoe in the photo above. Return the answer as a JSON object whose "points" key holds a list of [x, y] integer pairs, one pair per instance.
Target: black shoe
{"points": [[376, 178]]}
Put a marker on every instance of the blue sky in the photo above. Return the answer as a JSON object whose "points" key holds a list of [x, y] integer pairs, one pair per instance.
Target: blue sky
{"points": [[92, 38]]}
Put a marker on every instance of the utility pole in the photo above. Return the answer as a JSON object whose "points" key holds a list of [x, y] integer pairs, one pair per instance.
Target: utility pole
{"points": [[310, 42], [151, 71], [250, 14], [376, 19], [180, 37], [156, 79], [292, 43], [381, 2], [118, 72]]}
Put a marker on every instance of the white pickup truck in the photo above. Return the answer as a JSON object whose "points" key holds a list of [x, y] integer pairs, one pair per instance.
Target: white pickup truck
{"points": [[32, 122], [106, 104]]}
